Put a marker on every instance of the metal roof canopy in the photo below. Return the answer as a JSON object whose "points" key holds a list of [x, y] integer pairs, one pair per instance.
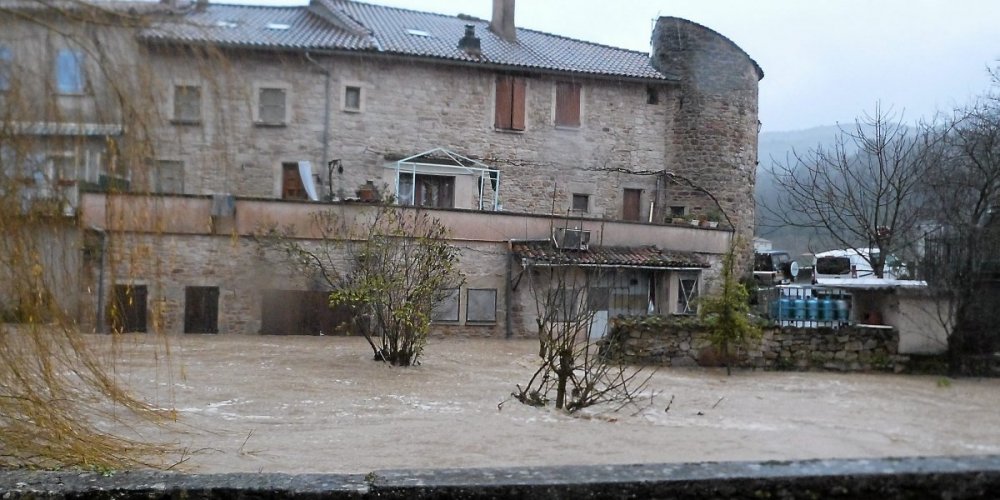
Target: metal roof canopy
{"points": [[486, 174]]}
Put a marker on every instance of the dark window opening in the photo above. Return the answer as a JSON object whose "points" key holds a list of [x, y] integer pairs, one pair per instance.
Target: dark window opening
{"points": [[677, 211], [581, 202], [652, 95], [201, 309], [833, 265], [291, 182], [128, 308], [568, 104], [302, 312], [510, 103], [436, 191]]}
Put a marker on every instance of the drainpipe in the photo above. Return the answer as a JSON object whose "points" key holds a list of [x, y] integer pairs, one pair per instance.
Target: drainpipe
{"points": [[326, 112], [509, 292], [100, 280]]}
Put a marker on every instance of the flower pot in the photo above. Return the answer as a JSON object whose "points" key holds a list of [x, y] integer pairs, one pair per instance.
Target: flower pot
{"points": [[694, 222]]}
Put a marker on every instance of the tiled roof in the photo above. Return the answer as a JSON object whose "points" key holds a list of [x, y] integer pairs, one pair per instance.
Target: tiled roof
{"points": [[544, 252], [355, 26], [258, 27]]}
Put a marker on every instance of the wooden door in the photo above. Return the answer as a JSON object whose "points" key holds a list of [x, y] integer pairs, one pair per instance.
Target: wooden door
{"points": [[631, 207]]}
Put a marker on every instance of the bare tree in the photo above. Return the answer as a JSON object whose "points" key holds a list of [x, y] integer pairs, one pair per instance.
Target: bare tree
{"points": [[962, 192], [862, 201], [391, 267], [576, 367]]}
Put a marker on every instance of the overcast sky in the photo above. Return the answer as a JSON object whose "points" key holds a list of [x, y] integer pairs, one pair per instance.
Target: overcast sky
{"points": [[825, 61]]}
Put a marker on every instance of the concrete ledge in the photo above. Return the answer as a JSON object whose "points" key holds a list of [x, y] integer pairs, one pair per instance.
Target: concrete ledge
{"points": [[924, 477]]}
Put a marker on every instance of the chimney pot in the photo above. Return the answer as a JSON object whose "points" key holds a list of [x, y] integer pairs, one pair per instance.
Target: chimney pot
{"points": [[470, 43]]}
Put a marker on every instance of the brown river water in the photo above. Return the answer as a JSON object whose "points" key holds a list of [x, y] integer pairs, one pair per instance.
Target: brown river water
{"points": [[319, 404]]}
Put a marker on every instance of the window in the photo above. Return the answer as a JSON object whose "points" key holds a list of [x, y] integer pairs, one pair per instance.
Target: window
{"points": [[430, 191], [6, 68], [631, 204], [272, 106], [187, 104], [510, 103], [481, 305], [652, 95], [167, 177], [128, 308], [676, 211], [352, 98], [291, 182], [567, 104], [581, 202], [69, 72], [201, 309], [447, 308], [687, 293]]}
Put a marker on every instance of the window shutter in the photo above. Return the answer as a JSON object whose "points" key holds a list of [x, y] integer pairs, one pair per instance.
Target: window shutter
{"points": [[503, 108], [568, 104], [519, 88]]}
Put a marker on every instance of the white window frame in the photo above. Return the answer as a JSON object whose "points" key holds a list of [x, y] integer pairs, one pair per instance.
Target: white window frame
{"points": [[257, 89], [691, 309], [361, 97]]}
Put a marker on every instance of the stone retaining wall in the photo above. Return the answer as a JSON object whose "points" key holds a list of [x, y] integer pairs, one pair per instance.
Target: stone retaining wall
{"points": [[885, 479], [686, 342]]}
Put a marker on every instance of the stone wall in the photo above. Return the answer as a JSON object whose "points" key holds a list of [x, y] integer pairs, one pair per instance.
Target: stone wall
{"points": [[686, 342], [409, 108], [714, 137], [889, 478]]}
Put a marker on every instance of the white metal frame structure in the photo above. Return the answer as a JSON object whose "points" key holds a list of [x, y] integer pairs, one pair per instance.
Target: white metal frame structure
{"points": [[486, 174]]}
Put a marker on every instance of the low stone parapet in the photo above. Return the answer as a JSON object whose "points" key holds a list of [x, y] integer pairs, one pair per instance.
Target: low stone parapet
{"points": [[885, 479], [681, 342]]}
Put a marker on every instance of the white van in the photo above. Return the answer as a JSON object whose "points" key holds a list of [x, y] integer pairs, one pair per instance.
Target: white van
{"points": [[851, 264]]}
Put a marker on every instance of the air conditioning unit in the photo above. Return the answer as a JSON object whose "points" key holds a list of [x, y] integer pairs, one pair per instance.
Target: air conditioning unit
{"points": [[571, 238]]}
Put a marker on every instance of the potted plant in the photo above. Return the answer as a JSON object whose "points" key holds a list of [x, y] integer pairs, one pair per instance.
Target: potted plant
{"points": [[694, 219], [713, 218]]}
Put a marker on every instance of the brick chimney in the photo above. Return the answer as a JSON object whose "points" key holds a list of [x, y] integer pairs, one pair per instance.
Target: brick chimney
{"points": [[503, 20]]}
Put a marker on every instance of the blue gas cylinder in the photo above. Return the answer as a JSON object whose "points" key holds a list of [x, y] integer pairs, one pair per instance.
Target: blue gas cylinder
{"points": [[785, 307], [812, 308], [826, 313], [800, 308]]}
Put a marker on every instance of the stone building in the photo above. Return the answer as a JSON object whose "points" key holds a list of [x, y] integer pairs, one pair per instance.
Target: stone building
{"points": [[525, 143]]}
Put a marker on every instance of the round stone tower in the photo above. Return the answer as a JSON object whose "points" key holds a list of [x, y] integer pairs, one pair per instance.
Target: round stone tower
{"points": [[713, 143]]}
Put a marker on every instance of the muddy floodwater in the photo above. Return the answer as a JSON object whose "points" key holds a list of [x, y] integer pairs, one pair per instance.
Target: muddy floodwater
{"points": [[319, 404]]}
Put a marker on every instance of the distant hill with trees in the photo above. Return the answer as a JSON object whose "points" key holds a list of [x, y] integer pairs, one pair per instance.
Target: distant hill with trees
{"points": [[777, 147]]}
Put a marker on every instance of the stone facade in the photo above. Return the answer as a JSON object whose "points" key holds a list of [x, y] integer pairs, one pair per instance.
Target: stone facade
{"points": [[408, 109], [715, 134], [671, 138]]}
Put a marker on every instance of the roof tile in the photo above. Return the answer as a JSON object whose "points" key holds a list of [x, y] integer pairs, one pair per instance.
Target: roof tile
{"points": [[355, 26], [644, 256]]}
